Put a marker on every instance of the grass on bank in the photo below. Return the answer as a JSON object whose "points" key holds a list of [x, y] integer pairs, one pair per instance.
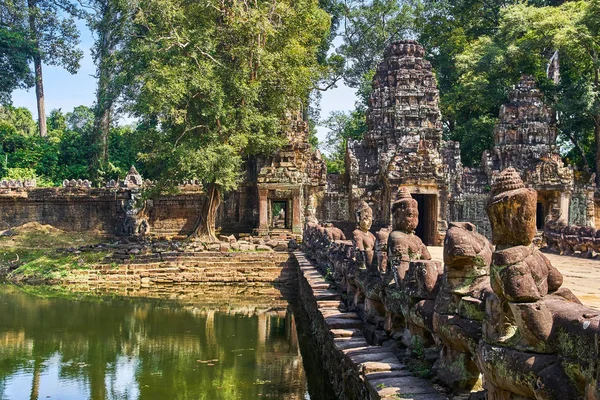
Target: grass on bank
{"points": [[31, 252]]}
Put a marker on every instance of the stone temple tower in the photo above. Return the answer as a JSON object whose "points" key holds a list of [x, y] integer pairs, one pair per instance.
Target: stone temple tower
{"points": [[525, 139], [404, 142]]}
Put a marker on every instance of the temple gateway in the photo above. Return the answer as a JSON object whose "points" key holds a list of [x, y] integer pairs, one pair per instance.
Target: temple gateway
{"points": [[404, 147]]}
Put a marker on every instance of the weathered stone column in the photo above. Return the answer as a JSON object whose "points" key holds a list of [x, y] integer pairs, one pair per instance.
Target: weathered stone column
{"points": [[563, 204], [263, 219], [296, 212], [591, 210]]}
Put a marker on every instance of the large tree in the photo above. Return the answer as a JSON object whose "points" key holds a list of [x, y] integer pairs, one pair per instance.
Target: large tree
{"points": [[110, 20], [54, 37], [15, 51], [217, 79]]}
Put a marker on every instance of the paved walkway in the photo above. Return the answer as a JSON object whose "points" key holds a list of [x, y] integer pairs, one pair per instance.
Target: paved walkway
{"points": [[581, 275]]}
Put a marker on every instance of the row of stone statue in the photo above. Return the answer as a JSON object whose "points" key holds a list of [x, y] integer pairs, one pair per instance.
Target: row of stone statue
{"points": [[17, 183], [570, 240], [499, 317]]}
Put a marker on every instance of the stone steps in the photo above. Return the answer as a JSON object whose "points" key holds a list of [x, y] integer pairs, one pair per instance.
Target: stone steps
{"points": [[377, 367], [223, 269]]}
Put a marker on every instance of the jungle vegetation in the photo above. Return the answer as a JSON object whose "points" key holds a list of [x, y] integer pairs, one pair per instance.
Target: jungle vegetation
{"points": [[211, 83]]}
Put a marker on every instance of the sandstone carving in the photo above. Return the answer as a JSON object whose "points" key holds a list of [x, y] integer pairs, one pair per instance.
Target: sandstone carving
{"points": [[364, 241], [415, 274], [582, 241], [460, 304], [403, 245], [527, 314]]}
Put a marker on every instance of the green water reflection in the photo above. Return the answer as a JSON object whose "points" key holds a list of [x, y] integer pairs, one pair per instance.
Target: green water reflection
{"points": [[53, 348]]}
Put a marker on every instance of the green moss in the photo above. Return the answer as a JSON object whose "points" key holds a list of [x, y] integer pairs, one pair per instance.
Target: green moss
{"points": [[33, 255], [576, 374], [479, 261], [574, 346]]}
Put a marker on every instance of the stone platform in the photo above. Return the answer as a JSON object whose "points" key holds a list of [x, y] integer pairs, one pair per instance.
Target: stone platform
{"points": [[581, 275]]}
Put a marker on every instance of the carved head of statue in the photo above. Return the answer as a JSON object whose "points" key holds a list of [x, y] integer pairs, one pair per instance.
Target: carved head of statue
{"points": [[364, 216], [511, 209], [405, 211]]}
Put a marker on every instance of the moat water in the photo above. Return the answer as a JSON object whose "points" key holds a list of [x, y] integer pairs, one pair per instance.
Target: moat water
{"points": [[130, 348]]}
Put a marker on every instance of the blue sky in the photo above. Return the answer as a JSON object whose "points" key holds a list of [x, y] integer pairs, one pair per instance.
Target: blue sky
{"points": [[66, 91]]}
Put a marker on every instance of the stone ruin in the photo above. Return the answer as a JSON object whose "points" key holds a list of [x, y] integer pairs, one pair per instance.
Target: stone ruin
{"points": [[497, 319], [404, 147], [281, 193]]}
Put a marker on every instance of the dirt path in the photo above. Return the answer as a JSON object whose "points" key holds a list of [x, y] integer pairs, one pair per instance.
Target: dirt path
{"points": [[581, 275]]}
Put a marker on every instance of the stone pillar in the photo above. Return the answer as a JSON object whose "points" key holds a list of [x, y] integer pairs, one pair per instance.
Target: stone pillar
{"points": [[563, 204], [263, 218], [296, 212], [591, 210]]}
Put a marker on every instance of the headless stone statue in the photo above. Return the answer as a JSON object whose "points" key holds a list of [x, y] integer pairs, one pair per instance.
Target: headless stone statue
{"points": [[364, 241], [403, 245], [520, 274]]}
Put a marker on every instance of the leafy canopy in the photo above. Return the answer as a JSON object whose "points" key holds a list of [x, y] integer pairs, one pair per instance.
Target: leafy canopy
{"points": [[216, 79]]}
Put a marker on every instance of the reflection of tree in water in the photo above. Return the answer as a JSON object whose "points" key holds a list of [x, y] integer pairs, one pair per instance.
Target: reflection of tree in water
{"points": [[96, 340]]}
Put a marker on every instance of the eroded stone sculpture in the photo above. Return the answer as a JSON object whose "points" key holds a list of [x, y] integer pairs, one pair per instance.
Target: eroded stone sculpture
{"points": [[460, 304], [364, 241], [520, 321], [415, 274], [403, 245]]}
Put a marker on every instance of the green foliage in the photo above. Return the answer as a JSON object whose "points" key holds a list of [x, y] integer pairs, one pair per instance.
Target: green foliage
{"points": [[342, 127], [67, 151], [54, 33], [369, 29], [219, 79], [32, 253], [15, 53], [525, 39]]}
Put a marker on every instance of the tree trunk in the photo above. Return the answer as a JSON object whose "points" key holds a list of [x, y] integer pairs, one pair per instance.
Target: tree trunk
{"points": [[37, 63], [586, 164], [35, 384], [205, 228], [104, 95], [597, 123], [597, 137]]}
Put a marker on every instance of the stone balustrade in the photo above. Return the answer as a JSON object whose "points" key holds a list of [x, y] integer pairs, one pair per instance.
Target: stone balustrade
{"points": [[571, 240], [497, 319]]}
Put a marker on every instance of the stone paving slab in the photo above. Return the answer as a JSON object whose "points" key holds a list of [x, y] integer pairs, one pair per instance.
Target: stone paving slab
{"points": [[378, 365], [404, 387], [349, 343]]}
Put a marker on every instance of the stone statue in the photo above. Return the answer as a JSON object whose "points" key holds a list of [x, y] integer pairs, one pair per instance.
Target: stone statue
{"points": [[381, 249], [364, 241], [403, 245], [460, 304], [520, 274], [333, 233], [528, 312]]}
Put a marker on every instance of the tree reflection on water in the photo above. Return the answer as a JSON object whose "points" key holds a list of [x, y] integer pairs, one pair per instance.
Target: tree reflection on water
{"points": [[146, 349]]}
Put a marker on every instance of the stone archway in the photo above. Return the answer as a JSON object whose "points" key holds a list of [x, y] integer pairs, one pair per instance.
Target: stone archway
{"points": [[270, 195]]}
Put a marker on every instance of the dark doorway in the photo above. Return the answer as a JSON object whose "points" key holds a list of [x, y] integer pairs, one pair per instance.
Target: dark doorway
{"points": [[427, 217], [540, 216], [279, 214]]}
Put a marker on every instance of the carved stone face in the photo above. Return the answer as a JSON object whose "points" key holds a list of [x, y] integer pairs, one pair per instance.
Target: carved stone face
{"points": [[406, 215], [364, 217], [365, 222], [512, 211]]}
